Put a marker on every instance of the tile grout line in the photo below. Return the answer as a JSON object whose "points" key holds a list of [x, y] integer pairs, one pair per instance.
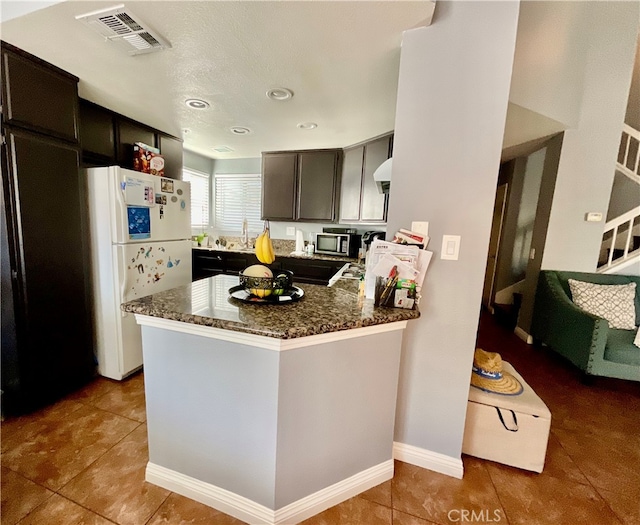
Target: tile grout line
{"points": [[606, 502], [158, 508], [98, 458], [495, 489], [576, 464]]}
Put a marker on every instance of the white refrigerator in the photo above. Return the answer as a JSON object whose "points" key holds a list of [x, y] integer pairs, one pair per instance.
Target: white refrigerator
{"points": [[140, 227]]}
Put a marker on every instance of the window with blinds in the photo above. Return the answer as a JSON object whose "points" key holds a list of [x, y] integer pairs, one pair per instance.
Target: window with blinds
{"points": [[237, 197], [200, 183]]}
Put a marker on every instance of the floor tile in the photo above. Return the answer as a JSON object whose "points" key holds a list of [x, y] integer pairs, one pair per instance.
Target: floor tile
{"points": [[60, 511], [380, 494], [353, 511], [97, 388], [433, 496], [60, 450], [557, 464], [36, 421], [608, 462], [114, 485], [627, 508], [178, 510], [401, 518], [530, 500], [125, 399], [19, 496]]}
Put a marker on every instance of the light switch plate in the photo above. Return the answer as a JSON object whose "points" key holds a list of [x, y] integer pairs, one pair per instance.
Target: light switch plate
{"points": [[420, 227], [450, 247], [291, 230]]}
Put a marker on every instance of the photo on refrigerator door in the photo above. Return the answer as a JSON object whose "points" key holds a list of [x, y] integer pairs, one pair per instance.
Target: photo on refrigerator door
{"points": [[139, 222], [149, 266]]}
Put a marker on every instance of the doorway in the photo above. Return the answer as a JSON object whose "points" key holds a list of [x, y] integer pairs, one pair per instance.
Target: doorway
{"points": [[518, 233]]}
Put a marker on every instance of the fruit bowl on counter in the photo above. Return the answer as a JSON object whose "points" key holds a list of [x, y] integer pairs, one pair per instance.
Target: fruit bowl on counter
{"points": [[259, 285], [258, 280]]}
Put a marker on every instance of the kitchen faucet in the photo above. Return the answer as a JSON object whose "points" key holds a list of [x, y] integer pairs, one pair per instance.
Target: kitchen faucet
{"points": [[245, 234]]}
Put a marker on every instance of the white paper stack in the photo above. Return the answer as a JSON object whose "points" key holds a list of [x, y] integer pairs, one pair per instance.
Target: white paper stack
{"points": [[412, 263]]}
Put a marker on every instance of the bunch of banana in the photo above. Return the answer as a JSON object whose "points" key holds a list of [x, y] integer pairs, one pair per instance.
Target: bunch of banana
{"points": [[264, 247]]}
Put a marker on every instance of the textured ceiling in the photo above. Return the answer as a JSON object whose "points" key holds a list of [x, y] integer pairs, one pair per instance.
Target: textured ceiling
{"points": [[339, 58]]}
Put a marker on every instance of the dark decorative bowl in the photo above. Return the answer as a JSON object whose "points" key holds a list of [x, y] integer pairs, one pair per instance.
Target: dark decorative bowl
{"points": [[265, 286]]}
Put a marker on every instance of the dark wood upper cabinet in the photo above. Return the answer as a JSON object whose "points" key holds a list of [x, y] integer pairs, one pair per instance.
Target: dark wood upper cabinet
{"points": [[107, 138], [38, 96], [360, 199], [373, 205], [351, 189], [317, 183], [300, 185], [279, 185], [97, 134], [128, 132], [171, 151]]}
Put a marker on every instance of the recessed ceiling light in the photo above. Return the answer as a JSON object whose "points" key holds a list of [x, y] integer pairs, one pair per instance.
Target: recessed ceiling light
{"points": [[196, 103], [239, 130], [280, 94], [307, 125]]}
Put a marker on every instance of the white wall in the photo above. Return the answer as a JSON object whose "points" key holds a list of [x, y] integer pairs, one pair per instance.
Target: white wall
{"points": [[589, 151], [633, 105], [548, 68], [450, 118], [197, 162]]}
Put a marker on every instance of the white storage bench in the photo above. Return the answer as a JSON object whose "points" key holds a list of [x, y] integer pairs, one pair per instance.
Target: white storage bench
{"points": [[512, 430]]}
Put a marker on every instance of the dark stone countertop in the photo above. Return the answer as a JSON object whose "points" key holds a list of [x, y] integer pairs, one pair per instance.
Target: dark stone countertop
{"points": [[322, 309]]}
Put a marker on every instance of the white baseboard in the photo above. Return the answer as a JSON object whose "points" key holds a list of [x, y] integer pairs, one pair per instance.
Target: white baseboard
{"points": [[435, 461], [247, 510], [523, 335]]}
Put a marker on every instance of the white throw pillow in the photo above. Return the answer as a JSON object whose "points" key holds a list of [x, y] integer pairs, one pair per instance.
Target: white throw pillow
{"points": [[613, 302], [636, 341]]}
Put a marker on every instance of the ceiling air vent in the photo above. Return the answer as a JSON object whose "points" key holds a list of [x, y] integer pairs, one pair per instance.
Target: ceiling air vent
{"points": [[222, 149], [121, 27]]}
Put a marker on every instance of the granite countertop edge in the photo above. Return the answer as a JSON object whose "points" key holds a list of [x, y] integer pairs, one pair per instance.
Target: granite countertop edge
{"points": [[384, 316]]}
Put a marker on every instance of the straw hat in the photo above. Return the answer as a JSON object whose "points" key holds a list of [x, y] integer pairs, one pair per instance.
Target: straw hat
{"points": [[488, 375]]}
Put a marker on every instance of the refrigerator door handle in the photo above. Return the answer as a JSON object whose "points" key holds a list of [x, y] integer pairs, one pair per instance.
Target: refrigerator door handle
{"points": [[122, 263]]}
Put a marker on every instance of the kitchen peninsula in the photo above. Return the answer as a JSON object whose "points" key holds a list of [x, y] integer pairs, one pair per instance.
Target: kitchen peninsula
{"points": [[269, 413]]}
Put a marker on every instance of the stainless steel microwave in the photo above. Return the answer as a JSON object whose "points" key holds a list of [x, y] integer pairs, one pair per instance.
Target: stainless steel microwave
{"points": [[343, 244]]}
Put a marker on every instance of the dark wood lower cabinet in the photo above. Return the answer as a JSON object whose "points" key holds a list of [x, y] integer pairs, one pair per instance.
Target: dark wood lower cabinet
{"points": [[50, 348], [312, 271]]}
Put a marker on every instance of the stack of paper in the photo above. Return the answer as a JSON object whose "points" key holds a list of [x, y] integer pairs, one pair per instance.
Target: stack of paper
{"points": [[403, 236], [411, 263]]}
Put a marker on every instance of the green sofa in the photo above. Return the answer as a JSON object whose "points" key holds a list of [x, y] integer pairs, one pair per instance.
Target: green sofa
{"points": [[584, 339]]}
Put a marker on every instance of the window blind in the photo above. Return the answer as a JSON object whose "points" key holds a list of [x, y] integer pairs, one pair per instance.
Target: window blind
{"points": [[200, 217], [237, 197]]}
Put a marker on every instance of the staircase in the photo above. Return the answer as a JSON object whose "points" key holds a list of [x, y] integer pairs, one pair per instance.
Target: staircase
{"points": [[621, 237]]}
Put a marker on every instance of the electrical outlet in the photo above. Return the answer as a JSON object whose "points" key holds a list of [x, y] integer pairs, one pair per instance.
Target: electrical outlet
{"points": [[291, 230]]}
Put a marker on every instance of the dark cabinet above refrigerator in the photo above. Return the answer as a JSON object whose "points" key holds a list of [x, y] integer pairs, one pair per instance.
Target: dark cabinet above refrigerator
{"points": [[107, 139]]}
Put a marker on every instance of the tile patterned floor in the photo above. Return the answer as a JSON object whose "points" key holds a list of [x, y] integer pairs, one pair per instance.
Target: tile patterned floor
{"points": [[81, 461]]}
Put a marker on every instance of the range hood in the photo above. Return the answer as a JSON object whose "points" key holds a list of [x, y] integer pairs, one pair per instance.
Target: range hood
{"points": [[382, 176]]}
